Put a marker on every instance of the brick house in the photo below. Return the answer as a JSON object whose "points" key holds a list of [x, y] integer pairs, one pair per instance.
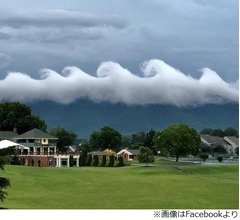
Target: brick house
{"points": [[42, 147], [129, 154]]}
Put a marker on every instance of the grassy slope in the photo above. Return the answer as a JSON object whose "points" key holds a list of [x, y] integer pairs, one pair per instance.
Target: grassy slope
{"points": [[124, 188]]}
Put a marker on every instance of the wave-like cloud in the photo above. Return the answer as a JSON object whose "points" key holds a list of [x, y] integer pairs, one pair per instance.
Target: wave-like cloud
{"points": [[160, 84]]}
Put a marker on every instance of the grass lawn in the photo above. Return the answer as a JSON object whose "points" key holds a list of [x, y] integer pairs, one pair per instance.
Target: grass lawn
{"points": [[191, 187]]}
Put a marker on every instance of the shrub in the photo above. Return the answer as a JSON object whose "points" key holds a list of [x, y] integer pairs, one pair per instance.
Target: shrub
{"points": [[116, 164], [220, 158], [204, 157], [100, 164]]}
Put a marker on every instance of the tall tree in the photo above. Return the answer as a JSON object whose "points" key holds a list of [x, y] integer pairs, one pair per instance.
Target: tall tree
{"points": [[17, 115], [65, 137], [178, 140], [4, 182], [107, 137], [149, 141]]}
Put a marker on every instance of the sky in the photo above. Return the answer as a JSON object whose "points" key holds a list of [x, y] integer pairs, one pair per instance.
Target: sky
{"points": [[133, 52]]}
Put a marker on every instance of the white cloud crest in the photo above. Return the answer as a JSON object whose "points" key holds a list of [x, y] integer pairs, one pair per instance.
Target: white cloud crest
{"points": [[160, 84]]}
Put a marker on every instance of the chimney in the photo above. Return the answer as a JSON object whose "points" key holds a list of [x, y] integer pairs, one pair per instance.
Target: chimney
{"points": [[15, 129]]}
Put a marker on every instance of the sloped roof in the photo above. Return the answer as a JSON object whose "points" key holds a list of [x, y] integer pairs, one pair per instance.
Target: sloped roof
{"points": [[7, 144], [98, 153], [129, 151], [8, 134], [36, 134], [213, 139], [234, 139], [134, 151]]}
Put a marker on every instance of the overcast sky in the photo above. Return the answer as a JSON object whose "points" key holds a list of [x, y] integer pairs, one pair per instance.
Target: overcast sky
{"points": [[188, 35]]}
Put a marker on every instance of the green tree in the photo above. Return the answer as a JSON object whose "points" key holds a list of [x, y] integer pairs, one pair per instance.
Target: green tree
{"points": [[145, 155], [107, 137], [138, 139], [17, 115], [219, 148], [65, 137], [4, 182], [208, 131], [178, 140], [231, 131]]}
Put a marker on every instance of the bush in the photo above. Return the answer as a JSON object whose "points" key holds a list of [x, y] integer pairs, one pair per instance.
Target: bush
{"points": [[107, 164], [100, 164], [220, 158], [204, 157], [116, 164]]}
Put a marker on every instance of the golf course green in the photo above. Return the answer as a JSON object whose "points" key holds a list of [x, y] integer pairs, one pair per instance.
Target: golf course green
{"points": [[132, 187]]}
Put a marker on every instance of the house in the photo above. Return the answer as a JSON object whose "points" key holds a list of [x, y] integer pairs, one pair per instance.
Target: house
{"points": [[230, 142], [42, 147], [129, 154], [233, 142]]}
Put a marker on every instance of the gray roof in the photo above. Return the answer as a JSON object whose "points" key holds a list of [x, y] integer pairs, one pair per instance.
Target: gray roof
{"points": [[134, 151], [234, 139], [8, 134], [213, 139], [36, 134], [98, 153]]}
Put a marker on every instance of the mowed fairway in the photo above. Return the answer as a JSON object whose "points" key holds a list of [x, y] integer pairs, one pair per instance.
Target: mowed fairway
{"points": [[191, 187]]}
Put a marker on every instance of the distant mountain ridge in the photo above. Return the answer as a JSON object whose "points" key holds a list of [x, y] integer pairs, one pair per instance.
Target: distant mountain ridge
{"points": [[83, 117]]}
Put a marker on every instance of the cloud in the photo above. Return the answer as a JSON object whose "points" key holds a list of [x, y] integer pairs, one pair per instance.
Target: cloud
{"points": [[5, 60], [57, 18], [160, 84]]}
